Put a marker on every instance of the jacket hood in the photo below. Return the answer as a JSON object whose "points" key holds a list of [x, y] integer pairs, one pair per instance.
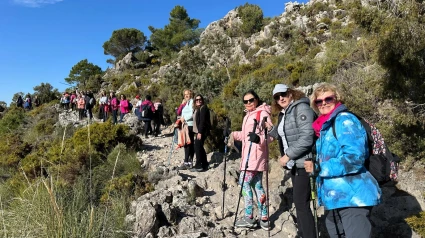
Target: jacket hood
{"points": [[299, 101]]}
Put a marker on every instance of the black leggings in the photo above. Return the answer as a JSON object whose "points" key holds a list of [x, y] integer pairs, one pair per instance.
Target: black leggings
{"points": [[201, 155], [301, 196], [189, 150]]}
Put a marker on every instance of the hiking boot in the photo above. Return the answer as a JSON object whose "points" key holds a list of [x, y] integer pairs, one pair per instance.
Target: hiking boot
{"points": [[265, 225], [194, 169], [246, 222]]}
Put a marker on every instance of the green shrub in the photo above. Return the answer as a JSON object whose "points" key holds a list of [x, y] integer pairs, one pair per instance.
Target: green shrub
{"points": [[252, 18], [417, 223]]}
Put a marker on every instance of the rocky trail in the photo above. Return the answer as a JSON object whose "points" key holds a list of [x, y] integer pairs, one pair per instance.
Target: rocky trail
{"points": [[189, 204]]}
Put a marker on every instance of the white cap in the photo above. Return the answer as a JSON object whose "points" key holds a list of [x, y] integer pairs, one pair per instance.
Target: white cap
{"points": [[280, 88]]}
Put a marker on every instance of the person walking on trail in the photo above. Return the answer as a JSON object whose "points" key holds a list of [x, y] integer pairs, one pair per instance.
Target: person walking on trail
{"points": [[201, 130], [149, 108], [158, 116], [36, 101], [102, 102], [255, 109], [344, 187], [73, 101], [295, 136], [20, 102], [81, 105], [114, 104], [186, 110], [123, 107]]}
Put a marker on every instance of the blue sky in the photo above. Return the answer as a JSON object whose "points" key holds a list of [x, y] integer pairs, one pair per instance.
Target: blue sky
{"points": [[40, 40]]}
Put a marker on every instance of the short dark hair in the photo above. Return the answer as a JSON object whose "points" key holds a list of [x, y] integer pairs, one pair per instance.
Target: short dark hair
{"points": [[148, 97]]}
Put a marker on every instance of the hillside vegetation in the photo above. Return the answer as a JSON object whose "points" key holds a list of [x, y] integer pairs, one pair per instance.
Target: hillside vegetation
{"points": [[78, 181]]}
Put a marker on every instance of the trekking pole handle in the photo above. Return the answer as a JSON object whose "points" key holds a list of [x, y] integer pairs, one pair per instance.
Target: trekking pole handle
{"points": [[312, 173]]}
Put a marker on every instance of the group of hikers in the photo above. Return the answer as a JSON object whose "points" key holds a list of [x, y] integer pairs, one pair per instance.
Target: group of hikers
{"points": [[332, 147], [27, 103], [109, 105]]}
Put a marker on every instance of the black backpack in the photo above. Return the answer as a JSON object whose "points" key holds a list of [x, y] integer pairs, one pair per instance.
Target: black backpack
{"points": [[146, 111], [382, 164]]}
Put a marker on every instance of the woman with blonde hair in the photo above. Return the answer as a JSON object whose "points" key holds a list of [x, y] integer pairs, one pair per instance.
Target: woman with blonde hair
{"points": [[345, 188], [186, 111]]}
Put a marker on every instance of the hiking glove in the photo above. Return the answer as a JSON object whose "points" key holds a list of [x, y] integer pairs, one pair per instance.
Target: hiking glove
{"points": [[254, 138]]}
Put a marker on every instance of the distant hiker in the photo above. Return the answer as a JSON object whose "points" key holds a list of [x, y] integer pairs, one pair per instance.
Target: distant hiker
{"points": [[89, 104], [295, 136], [186, 110], [255, 143], [20, 102], [102, 103], [123, 107], [81, 105], [67, 100], [158, 116], [138, 103], [36, 101], [114, 107], [147, 111], [201, 130], [344, 186], [73, 101], [28, 102]]}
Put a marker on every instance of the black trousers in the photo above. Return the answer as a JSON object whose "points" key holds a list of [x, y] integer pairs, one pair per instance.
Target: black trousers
{"points": [[301, 196], [189, 150], [147, 127], [201, 155]]}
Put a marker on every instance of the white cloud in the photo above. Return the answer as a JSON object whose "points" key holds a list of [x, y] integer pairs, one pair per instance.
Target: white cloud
{"points": [[35, 3]]}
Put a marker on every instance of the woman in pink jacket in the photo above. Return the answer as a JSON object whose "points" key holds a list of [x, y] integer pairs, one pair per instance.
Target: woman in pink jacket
{"points": [[258, 156], [123, 107]]}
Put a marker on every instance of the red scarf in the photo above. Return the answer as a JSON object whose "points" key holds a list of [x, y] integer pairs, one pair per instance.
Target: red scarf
{"points": [[318, 123]]}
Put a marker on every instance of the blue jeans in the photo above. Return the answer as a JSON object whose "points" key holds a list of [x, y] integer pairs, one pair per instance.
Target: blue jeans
{"points": [[114, 116], [122, 114]]}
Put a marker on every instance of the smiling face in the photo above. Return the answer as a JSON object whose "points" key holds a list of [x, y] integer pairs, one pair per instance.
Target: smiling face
{"points": [[325, 102], [250, 102], [283, 99], [199, 102]]}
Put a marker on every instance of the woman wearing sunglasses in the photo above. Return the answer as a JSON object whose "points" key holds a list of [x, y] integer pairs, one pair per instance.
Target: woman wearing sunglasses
{"points": [[255, 109], [345, 188], [201, 129], [295, 137]]}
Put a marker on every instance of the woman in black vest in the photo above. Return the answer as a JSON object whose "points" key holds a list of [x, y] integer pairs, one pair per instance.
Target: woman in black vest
{"points": [[201, 129]]}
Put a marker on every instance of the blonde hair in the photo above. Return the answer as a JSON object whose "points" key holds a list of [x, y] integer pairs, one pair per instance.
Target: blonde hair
{"points": [[190, 91], [325, 87]]}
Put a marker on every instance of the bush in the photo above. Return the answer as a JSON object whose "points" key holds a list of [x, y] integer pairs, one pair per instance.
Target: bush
{"points": [[252, 18]]}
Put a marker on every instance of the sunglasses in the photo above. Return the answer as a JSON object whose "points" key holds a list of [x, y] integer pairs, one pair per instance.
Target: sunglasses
{"points": [[277, 96], [251, 100], [198, 100], [328, 100]]}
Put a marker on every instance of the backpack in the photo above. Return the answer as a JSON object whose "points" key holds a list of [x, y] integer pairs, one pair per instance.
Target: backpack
{"points": [[20, 102], [92, 102], [130, 106], [146, 111], [382, 164]]}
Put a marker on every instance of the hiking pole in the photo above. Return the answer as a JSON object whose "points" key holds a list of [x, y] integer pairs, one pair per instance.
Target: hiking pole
{"points": [[172, 146], [313, 199], [226, 134], [244, 173], [267, 175]]}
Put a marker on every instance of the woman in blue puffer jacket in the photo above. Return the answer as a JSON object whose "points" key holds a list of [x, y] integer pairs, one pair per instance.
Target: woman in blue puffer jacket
{"points": [[345, 188]]}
